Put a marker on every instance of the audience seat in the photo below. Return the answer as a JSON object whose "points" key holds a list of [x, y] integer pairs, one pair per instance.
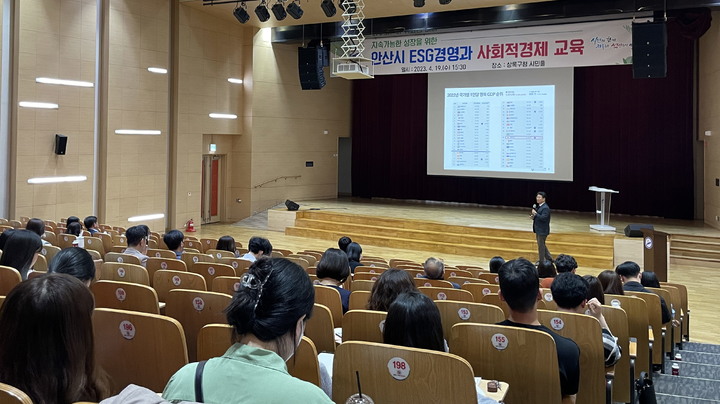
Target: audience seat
{"points": [[304, 364], [396, 374], [211, 270], [446, 294], [479, 290], [41, 264], [676, 301], [213, 340], [452, 312], [524, 358], [282, 251], [490, 277], [494, 299], [140, 348], [369, 269], [13, 395], [309, 258], [9, 278], [122, 258], [684, 306], [94, 243], [239, 265], [547, 298], [361, 285], [617, 320], [160, 253], [125, 296], [120, 239], [330, 298], [461, 280], [458, 273], [366, 276], [166, 280], [210, 244], [192, 258], [49, 252], [124, 272], [363, 325], [107, 241], [155, 264], [66, 241], [636, 310], [668, 327], [218, 254], [226, 284], [95, 255], [359, 299], [50, 237], [654, 313], [300, 261], [409, 266], [436, 283], [321, 329]]}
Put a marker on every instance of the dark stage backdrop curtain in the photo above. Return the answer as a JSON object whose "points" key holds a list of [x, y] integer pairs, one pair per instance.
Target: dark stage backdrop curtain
{"points": [[635, 136]]}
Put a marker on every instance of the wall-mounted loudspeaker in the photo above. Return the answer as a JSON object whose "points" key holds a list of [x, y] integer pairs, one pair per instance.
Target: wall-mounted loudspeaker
{"points": [[310, 67], [60, 144], [649, 45]]}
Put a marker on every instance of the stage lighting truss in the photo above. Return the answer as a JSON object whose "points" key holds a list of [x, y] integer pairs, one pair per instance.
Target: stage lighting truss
{"points": [[352, 64]]}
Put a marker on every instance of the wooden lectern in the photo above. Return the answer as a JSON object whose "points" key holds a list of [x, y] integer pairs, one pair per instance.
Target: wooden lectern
{"points": [[656, 253]]}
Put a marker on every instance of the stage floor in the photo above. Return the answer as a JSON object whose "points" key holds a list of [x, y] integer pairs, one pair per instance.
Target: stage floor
{"points": [[700, 281]]}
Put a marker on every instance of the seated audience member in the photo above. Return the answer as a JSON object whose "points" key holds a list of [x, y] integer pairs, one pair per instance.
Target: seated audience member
{"points": [[570, 293], [47, 334], [546, 272], [257, 247], [4, 236], [611, 283], [595, 289], [91, 224], [332, 270], [630, 276], [74, 228], [343, 243], [71, 219], [268, 315], [495, 264], [227, 243], [21, 250], [354, 253], [37, 226], [565, 263], [137, 238], [390, 284], [650, 280], [435, 269], [76, 262], [413, 320], [174, 241], [519, 289]]}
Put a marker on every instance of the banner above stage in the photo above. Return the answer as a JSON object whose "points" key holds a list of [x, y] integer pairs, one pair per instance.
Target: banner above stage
{"points": [[567, 45]]}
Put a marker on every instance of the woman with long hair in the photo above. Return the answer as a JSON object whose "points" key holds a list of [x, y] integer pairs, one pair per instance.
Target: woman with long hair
{"points": [[390, 284], [413, 320], [611, 282], [21, 250]]}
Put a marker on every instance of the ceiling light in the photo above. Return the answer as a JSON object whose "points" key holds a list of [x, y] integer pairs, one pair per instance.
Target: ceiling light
{"points": [[55, 180], [262, 12], [419, 3], [216, 115], [234, 80], [47, 80], [328, 7], [241, 14], [146, 217], [158, 70], [294, 10], [279, 11], [33, 104], [137, 132]]}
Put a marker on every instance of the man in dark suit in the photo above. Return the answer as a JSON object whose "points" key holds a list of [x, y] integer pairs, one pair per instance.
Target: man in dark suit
{"points": [[541, 225]]}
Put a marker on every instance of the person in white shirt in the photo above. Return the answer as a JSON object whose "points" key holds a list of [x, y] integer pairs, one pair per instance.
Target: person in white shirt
{"points": [[257, 247], [137, 239]]}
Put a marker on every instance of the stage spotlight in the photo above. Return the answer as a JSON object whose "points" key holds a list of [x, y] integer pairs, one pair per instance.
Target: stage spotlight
{"points": [[241, 14], [328, 8], [294, 10], [262, 12], [445, 2], [279, 11], [419, 3]]}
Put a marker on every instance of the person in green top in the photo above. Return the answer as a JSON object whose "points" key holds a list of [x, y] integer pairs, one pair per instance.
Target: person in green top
{"points": [[268, 315]]}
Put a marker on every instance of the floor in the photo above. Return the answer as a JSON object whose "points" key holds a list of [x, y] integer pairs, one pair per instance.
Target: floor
{"points": [[701, 282]]}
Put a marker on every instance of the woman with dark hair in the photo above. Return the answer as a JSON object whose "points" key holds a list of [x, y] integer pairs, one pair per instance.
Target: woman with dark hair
{"points": [[47, 341], [413, 320], [74, 228], [390, 284], [76, 262], [354, 253], [649, 279], [546, 273], [4, 236], [227, 243], [21, 251], [332, 270], [268, 315], [595, 289], [37, 226], [611, 282]]}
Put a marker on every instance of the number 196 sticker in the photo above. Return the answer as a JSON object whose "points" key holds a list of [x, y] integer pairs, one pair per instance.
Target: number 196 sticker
{"points": [[499, 341], [464, 314], [399, 368]]}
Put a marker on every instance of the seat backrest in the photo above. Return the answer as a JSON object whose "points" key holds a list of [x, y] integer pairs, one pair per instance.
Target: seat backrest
{"points": [[636, 310], [654, 313], [547, 298], [361, 285], [66, 240], [410, 266], [226, 284], [9, 278], [194, 309], [492, 278], [458, 273], [304, 364], [369, 269], [213, 340], [359, 299], [683, 303], [300, 261], [50, 237], [282, 251], [122, 258], [161, 253], [479, 290], [309, 258], [140, 348], [13, 395], [461, 280], [363, 325], [366, 276], [474, 270], [239, 265], [519, 356], [665, 294], [217, 254], [209, 244], [321, 329], [585, 331], [446, 294], [494, 299], [330, 298], [452, 312], [617, 320], [166, 280], [436, 283], [94, 243], [106, 239], [124, 272], [675, 307], [41, 264], [125, 296], [196, 245], [192, 258], [211, 270], [397, 374], [49, 252], [154, 264]]}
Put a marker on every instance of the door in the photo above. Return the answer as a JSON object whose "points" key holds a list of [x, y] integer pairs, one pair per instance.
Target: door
{"points": [[210, 201]]}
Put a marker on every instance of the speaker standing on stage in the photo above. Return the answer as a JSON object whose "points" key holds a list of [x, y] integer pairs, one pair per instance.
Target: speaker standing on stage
{"points": [[541, 225]]}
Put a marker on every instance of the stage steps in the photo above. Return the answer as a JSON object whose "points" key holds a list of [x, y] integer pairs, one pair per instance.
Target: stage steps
{"points": [[695, 250], [590, 250], [699, 379]]}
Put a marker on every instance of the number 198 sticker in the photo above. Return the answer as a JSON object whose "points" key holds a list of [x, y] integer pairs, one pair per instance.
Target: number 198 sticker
{"points": [[399, 368], [127, 329], [499, 341]]}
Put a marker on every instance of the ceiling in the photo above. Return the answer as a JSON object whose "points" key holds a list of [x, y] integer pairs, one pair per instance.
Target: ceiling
{"points": [[373, 9]]}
